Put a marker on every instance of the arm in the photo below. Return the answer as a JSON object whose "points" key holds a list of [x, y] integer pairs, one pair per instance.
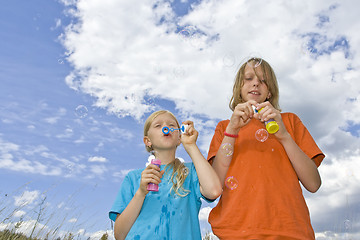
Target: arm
{"points": [[241, 116], [210, 186], [304, 167], [126, 219]]}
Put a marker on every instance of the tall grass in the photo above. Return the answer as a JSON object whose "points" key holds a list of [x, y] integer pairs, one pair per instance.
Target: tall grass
{"points": [[40, 220]]}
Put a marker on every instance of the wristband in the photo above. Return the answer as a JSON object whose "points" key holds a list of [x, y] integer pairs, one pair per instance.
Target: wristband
{"points": [[231, 135]]}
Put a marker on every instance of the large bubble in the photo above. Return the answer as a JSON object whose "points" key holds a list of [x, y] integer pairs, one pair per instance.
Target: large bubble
{"points": [[227, 149], [261, 135], [81, 111], [231, 183]]}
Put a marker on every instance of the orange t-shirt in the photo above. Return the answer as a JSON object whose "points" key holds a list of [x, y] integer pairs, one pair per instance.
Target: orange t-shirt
{"points": [[265, 200]]}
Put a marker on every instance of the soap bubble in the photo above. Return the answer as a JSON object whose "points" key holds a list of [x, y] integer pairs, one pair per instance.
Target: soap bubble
{"points": [[186, 33], [70, 167], [81, 111], [198, 40], [179, 72], [149, 100], [307, 48], [254, 62], [229, 60], [227, 148], [261, 135], [231, 183], [347, 224]]}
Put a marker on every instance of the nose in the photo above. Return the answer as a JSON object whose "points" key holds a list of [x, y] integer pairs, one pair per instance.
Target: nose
{"points": [[256, 81]]}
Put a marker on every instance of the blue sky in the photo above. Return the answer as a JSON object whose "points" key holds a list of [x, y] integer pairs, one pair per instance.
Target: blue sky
{"points": [[118, 61]]}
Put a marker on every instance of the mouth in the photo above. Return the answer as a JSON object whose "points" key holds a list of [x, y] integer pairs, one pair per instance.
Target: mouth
{"points": [[254, 93]]}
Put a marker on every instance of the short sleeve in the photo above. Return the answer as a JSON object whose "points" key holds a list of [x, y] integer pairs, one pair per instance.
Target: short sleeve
{"points": [[123, 198], [217, 139], [196, 185], [304, 140]]}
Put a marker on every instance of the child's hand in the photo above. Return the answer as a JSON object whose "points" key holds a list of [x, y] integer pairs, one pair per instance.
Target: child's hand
{"points": [[241, 116], [151, 174], [267, 112], [190, 135]]}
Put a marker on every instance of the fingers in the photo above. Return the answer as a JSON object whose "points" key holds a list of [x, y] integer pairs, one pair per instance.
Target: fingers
{"points": [[151, 174], [190, 129], [245, 110], [266, 111]]}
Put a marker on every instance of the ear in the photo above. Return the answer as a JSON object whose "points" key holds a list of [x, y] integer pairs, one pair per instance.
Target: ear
{"points": [[268, 96], [147, 141], [179, 141]]}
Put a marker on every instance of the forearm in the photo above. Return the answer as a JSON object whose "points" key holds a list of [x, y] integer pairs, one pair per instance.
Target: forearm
{"points": [[304, 167], [126, 219], [223, 158], [210, 185]]}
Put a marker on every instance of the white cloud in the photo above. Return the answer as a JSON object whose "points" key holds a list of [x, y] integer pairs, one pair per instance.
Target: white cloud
{"points": [[72, 220], [97, 159], [111, 72], [26, 198], [31, 127], [99, 234], [138, 58], [68, 133], [98, 169], [204, 213], [54, 119], [121, 174], [51, 120], [19, 213]]}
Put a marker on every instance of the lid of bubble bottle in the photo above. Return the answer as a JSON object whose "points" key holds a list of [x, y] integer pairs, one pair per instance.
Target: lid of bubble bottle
{"points": [[272, 127], [156, 161]]}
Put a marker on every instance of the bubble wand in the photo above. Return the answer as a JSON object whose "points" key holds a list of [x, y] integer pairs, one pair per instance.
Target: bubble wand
{"points": [[182, 129]]}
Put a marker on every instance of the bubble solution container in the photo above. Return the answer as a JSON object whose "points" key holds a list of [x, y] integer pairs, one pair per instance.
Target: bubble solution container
{"points": [[152, 186], [271, 125]]}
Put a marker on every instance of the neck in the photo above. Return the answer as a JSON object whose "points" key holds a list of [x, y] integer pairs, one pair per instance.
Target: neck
{"points": [[165, 156]]}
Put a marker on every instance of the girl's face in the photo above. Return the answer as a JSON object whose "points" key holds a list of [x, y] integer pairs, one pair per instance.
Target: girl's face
{"points": [[254, 86], [157, 139]]}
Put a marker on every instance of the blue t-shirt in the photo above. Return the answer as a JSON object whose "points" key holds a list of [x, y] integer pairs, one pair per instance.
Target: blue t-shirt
{"points": [[164, 215]]}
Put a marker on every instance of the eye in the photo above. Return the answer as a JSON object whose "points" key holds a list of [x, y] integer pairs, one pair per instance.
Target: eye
{"points": [[248, 78]]}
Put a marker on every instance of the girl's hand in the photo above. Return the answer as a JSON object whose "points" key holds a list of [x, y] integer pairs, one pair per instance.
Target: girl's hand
{"points": [[190, 135], [241, 116], [267, 112], [151, 174]]}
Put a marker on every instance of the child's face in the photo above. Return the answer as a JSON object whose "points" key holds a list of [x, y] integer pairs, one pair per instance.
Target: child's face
{"points": [[157, 139], [254, 86]]}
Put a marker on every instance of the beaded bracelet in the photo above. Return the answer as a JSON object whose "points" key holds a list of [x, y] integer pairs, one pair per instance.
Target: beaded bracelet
{"points": [[231, 135]]}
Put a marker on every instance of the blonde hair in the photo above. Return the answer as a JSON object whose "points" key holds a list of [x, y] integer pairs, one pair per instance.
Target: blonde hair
{"points": [[270, 80], [180, 171]]}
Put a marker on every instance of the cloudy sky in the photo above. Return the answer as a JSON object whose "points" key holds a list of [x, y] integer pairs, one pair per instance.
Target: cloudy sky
{"points": [[78, 79]]}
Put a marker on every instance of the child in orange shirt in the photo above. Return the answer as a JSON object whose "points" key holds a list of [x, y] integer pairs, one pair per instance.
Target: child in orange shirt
{"points": [[262, 197]]}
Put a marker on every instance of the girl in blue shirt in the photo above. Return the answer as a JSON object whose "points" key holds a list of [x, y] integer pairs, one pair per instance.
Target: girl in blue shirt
{"points": [[172, 212]]}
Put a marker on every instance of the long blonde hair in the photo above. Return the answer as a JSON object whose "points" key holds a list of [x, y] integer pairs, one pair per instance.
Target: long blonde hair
{"points": [[270, 80], [180, 171]]}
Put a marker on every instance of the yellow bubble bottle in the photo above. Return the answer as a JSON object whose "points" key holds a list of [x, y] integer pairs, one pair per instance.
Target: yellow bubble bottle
{"points": [[271, 125]]}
